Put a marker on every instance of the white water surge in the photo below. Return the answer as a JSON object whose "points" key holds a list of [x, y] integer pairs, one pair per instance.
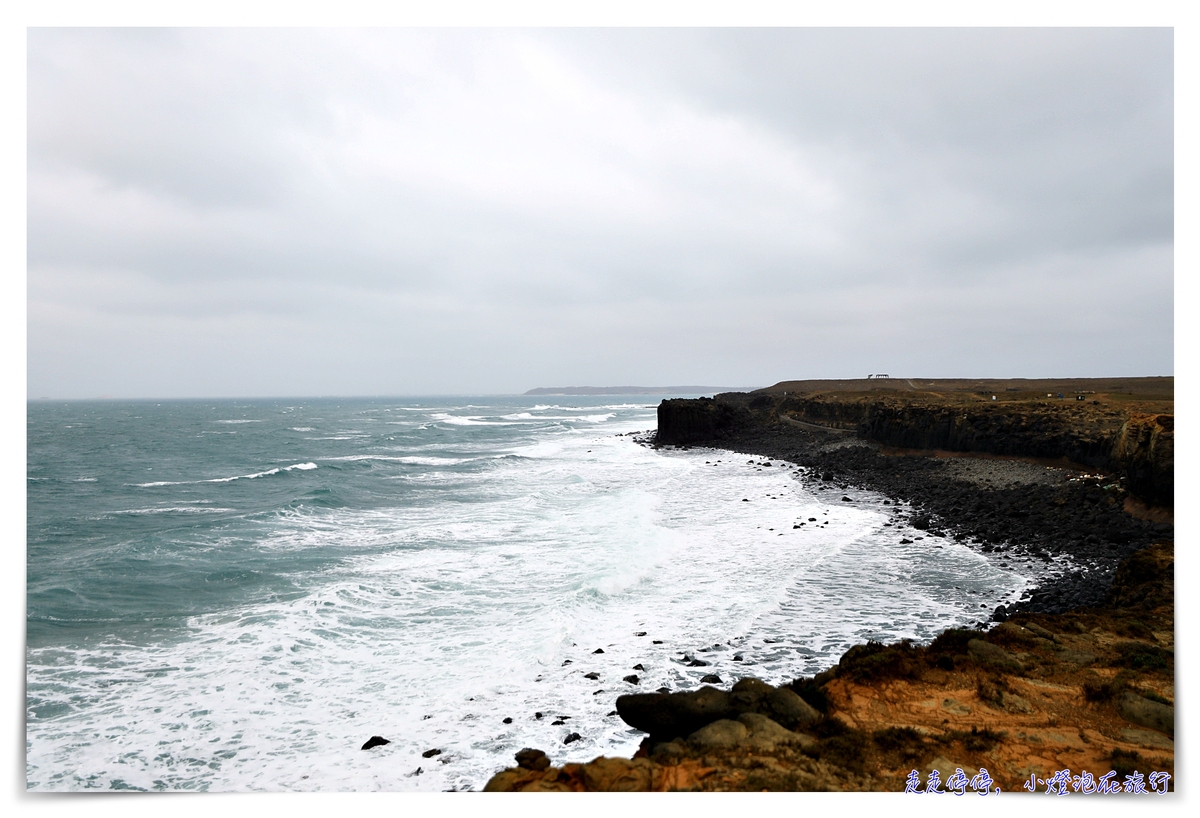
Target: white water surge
{"points": [[492, 595]]}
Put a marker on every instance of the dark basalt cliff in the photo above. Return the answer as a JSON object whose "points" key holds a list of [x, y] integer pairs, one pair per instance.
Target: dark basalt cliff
{"points": [[1138, 447]]}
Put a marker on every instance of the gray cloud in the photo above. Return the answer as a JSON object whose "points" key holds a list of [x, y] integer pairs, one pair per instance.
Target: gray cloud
{"points": [[291, 212]]}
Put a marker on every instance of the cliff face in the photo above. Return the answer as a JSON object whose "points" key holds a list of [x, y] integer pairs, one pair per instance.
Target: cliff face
{"points": [[1139, 447], [684, 420], [1145, 449]]}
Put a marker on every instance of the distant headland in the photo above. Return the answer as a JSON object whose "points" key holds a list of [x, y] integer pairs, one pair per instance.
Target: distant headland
{"points": [[637, 390]]}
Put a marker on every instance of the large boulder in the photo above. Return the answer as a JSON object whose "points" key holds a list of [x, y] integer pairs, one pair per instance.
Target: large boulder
{"points": [[766, 734], [666, 716], [787, 708], [720, 733], [669, 715]]}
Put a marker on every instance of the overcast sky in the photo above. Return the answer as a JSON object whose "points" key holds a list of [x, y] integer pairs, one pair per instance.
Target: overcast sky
{"points": [[390, 212]]}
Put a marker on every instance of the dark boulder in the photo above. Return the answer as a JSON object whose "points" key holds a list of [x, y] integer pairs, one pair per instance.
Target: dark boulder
{"points": [[531, 759], [669, 715], [666, 716], [375, 741], [787, 708]]}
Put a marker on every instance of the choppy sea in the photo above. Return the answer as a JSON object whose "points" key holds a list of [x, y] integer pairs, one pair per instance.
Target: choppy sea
{"points": [[236, 595]]}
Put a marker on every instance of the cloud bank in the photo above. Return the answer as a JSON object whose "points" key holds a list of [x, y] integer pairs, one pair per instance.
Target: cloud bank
{"points": [[408, 211]]}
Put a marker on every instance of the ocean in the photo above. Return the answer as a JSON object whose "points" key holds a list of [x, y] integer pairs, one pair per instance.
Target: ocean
{"points": [[236, 595]]}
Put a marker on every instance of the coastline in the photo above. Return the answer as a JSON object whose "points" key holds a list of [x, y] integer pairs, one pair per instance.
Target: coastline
{"points": [[1077, 675]]}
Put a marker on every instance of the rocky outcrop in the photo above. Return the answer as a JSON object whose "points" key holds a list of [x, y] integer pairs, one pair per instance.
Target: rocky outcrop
{"points": [[1144, 451], [1137, 447], [682, 420]]}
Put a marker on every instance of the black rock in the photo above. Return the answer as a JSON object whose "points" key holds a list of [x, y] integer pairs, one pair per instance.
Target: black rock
{"points": [[508, 720], [537, 715], [375, 741], [592, 675], [431, 753], [572, 737], [656, 641], [632, 679], [598, 650], [674, 714], [711, 679], [612, 712], [638, 666], [640, 633], [531, 759], [920, 522]]}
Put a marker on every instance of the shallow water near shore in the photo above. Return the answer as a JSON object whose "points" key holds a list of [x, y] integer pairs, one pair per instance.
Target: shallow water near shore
{"points": [[235, 595]]}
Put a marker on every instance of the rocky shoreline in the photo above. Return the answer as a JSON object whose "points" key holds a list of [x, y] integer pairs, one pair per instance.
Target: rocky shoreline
{"points": [[1079, 675], [1018, 503], [1084, 699]]}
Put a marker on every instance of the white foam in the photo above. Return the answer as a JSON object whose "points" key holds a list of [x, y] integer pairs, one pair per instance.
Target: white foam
{"points": [[463, 603], [255, 475], [174, 510], [409, 459], [458, 420]]}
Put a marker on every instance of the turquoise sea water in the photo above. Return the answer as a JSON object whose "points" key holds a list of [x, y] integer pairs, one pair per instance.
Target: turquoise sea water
{"points": [[235, 595]]}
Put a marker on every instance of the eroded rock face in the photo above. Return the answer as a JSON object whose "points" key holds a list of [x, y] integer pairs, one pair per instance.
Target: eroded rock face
{"points": [[618, 775]]}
